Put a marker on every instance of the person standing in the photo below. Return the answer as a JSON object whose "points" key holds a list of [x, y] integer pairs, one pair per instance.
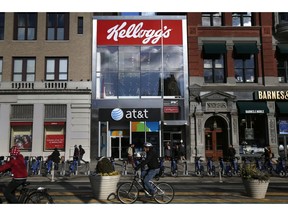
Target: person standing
{"points": [[76, 153], [168, 151], [130, 154], [18, 169]]}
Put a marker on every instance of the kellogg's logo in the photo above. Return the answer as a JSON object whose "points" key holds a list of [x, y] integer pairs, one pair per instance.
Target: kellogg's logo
{"points": [[137, 31]]}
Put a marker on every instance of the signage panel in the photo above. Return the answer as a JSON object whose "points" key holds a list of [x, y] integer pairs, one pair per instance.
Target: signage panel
{"points": [[139, 32], [133, 114]]}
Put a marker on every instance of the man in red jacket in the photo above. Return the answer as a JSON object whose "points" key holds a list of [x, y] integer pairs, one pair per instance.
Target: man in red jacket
{"points": [[17, 166]]}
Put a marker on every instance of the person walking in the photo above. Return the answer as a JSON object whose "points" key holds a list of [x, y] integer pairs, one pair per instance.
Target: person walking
{"points": [[81, 153], [19, 172]]}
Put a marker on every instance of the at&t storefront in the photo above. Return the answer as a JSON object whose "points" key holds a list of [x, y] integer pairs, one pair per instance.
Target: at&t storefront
{"points": [[140, 83]]}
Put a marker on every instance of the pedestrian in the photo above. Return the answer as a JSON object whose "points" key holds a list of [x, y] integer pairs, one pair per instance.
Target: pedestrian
{"points": [[81, 153], [130, 154], [182, 151], [19, 172], [268, 155], [167, 151], [153, 169], [55, 157], [76, 153]]}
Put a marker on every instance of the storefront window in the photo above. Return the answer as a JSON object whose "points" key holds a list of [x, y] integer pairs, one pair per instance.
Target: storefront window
{"points": [[21, 135], [54, 136]]}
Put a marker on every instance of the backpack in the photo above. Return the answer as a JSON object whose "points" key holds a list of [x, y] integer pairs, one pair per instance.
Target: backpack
{"points": [[82, 151]]}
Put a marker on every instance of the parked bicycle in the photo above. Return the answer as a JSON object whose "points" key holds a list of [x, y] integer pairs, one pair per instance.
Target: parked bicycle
{"points": [[199, 168], [278, 169], [31, 195], [128, 192], [211, 171]]}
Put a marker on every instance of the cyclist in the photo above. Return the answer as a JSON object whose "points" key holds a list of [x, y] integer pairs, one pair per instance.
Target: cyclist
{"points": [[19, 171], [153, 169]]}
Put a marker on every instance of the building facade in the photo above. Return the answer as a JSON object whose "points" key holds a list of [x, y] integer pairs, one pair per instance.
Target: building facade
{"points": [[45, 89], [237, 82], [103, 81]]}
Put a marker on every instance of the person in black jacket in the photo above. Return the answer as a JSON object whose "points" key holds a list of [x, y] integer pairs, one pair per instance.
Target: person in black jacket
{"points": [[153, 165]]}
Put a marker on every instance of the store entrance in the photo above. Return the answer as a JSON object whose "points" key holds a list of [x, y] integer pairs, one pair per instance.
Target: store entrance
{"points": [[119, 146], [216, 138]]}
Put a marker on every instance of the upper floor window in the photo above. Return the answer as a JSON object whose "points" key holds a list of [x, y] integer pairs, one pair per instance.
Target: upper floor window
{"points": [[2, 22], [57, 26], [80, 25], [24, 69], [211, 19], [1, 68], [25, 25], [57, 69], [282, 67], [244, 67], [214, 69], [241, 19]]}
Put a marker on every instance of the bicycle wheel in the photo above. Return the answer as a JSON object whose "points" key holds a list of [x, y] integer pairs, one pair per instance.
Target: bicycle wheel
{"points": [[164, 193], [127, 193], [39, 197]]}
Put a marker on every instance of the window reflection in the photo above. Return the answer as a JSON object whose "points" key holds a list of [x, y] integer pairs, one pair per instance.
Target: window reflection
{"points": [[129, 58], [108, 58], [151, 58], [150, 84], [129, 84], [173, 58]]}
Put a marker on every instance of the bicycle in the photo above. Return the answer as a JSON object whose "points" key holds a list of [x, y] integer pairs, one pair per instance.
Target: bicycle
{"points": [[174, 167], [128, 192], [211, 171], [29, 195], [199, 168]]}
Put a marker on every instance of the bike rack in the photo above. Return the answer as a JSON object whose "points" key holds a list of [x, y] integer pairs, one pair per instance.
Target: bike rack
{"points": [[185, 170], [124, 168]]}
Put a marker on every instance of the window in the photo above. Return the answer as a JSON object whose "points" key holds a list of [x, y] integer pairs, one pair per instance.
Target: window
{"points": [[24, 69], [57, 26], [2, 22], [244, 68], [1, 68], [25, 26], [211, 19], [283, 18], [21, 125], [282, 67], [80, 25], [57, 69], [241, 19], [214, 69]]}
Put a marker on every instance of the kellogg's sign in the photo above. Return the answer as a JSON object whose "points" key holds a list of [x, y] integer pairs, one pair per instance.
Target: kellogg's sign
{"points": [[139, 32]]}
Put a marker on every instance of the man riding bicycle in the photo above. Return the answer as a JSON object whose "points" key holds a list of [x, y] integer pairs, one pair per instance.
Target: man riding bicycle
{"points": [[19, 172], [153, 165]]}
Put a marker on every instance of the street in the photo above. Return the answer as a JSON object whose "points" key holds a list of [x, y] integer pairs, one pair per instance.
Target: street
{"points": [[188, 190]]}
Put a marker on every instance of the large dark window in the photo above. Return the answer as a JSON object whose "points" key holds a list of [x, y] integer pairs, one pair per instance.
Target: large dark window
{"points": [[24, 69], [211, 19], [2, 22], [283, 18], [80, 25], [241, 19], [57, 26], [25, 25], [282, 67], [136, 71], [56, 69]]}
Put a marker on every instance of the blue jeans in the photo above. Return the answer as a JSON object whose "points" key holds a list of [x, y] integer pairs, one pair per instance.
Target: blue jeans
{"points": [[147, 176]]}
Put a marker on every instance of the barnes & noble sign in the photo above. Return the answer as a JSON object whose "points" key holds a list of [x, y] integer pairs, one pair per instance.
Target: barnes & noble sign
{"points": [[271, 95]]}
